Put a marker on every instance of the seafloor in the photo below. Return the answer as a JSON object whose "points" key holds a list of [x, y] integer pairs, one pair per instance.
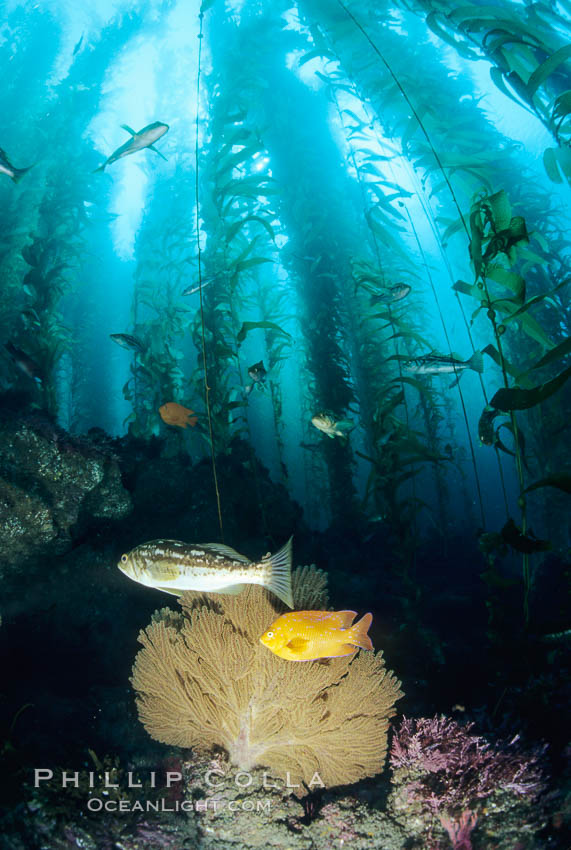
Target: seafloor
{"points": [[68, 636]]}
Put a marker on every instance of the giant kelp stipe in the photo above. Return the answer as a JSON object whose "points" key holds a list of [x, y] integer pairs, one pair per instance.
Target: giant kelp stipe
{"points": [[274, 269]]}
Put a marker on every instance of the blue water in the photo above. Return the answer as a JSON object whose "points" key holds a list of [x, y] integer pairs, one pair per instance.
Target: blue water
{"points": [[317, 155]]}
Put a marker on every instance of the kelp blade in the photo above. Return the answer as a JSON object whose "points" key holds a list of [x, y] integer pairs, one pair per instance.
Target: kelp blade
{"points": [[517, 398]]}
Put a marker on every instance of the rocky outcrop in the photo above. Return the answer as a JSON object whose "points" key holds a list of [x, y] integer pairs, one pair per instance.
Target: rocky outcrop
{"points": [[52, 487]]}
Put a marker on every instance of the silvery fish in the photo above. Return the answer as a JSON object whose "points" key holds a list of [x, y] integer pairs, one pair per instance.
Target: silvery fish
{"points": [[24, 362], [190, 290], [391, 294], [145, 138], [326, 423], [174, 567], [440, 364], [128, 341], [6, 167]]}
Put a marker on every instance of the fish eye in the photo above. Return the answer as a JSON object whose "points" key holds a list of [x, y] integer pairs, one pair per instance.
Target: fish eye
{"points": [[269, 634], [123, 559]]}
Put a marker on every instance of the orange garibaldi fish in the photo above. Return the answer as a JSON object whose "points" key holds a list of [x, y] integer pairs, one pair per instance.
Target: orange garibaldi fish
{"points": [[175, 414], [309, 635]]}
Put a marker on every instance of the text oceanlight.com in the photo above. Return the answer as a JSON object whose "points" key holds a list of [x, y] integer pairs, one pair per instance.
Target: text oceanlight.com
{"points": [[97, 804]]}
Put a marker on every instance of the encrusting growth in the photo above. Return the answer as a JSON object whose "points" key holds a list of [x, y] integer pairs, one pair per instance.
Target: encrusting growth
{"points": [[203, 680]]}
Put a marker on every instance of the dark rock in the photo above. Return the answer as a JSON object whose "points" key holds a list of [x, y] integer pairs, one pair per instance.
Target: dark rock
{"points": [[52, 485]]}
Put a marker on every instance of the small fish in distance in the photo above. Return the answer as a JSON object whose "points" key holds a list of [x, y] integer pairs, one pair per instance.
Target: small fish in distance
{"points": [[173, 567], [391, 294], [310, 635], [145, 138], [128, 341], [490, 436], [486, 431], [257, 372], [206, 281], [175, 414], [443, 364], [525, 543], [6, 167], [77, 47], [326, 423], [24, 362]]}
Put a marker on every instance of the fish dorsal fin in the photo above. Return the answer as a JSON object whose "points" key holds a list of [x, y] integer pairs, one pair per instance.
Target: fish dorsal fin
{"points": [[227, 551], [128, 129], [297, 644], [341, 619]]}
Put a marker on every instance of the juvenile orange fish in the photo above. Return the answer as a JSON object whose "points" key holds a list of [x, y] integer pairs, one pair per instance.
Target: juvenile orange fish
{"points": [[175, 414], [309, 635]]}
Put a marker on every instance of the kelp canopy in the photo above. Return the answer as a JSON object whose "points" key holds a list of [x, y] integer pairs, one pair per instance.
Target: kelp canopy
{"points": [[350, 186]]}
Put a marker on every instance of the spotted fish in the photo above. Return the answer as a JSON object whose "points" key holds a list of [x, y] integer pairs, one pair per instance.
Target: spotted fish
{"points": [[174, 566], [309, 635]]}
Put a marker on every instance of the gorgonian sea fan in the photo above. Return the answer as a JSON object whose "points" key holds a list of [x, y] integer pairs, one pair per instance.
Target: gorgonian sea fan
{"points": [[204, 680]]}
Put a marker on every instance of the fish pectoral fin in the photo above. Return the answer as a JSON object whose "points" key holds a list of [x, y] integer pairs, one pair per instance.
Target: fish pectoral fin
{"points": [[231, 589], [297, 644], [164, 573], [227, 551], [170, 590], [153, 148], [128, 129]]}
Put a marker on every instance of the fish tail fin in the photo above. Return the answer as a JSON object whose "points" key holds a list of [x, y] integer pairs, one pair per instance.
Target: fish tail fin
{"points": [[278, 579], [358, 633], [476, 362], [19, 173], [343, 428]]}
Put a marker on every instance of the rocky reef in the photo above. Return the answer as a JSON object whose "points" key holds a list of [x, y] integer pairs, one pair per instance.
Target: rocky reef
{"points": [[69, 625], [54, 488], [204, 803]]}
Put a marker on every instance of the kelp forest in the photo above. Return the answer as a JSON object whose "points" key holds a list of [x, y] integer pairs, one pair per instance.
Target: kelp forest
{"points": [[324, 292]]}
